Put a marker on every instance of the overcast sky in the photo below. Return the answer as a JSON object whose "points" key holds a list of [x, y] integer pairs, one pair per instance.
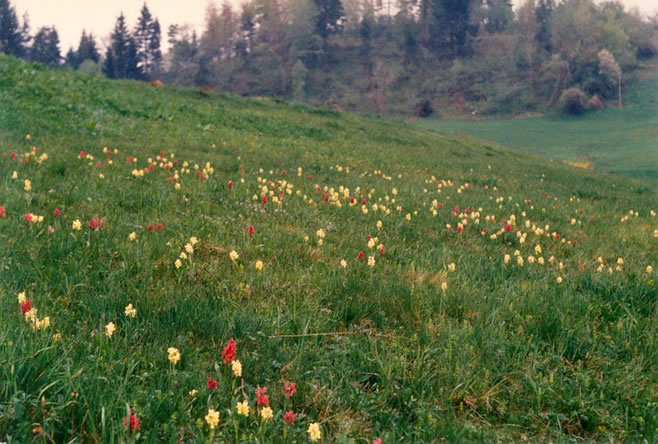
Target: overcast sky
{"points": [[70, 17]]}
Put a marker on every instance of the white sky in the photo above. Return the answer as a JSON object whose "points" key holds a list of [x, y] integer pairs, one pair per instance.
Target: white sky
{"points": [[70, 17]]}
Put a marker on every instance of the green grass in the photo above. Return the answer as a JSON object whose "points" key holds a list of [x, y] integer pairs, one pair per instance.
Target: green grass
{"points": [[622, 141], [501, 352]]}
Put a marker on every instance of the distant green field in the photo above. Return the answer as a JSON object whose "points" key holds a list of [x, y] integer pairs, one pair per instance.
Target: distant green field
{"points": [[612, 140]]}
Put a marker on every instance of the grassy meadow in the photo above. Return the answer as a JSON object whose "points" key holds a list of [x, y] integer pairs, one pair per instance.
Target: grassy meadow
{"points": [[166, 255], [622, 141]]}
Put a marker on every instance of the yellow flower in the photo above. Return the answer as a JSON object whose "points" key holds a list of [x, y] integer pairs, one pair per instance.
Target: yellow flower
{"points": [[620, 261], [379, 225], [259, 265], [266, 413], [193, 392], [194, 240], [109, 329], [320, 233], [243, 408], [371, 261], [189, 248], [130, 311], [178, 263], [444, 286], [236, 367], [76, 225], [452, 267], [559, 279], [212, 418], [182, 255], [343, 263], [649, 269], [28, 185], [234, 255], [314, 432], [173, 355], [21, 297], [132, 236], [14, 175], [57, 337], [507, 258], [408, 216]]}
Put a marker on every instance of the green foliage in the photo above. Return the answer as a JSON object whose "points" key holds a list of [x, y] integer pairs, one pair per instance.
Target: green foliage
{"points": [[504, 353], [573, 101]]}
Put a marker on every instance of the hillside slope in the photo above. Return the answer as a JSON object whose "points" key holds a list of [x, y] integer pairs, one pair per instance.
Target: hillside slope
{"points": [[413, 286], [622, 141]]}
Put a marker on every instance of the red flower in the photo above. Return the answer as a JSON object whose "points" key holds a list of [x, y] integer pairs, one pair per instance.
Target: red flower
{"points": [[382, 251], [212, 384], [229, 351], [82, 155], [3, 212], [361, 255], [262, 398], [581, 267], [230, 185], [57, 212], [159, 226], [129, 159], [251, 230], [377, 441], [264, 199], [150, 227], [98, 164], [28, 217], [133, 423], [26, 306], [13, 155], [289, 390], [459, 228], [289, 417], [95, 223]]}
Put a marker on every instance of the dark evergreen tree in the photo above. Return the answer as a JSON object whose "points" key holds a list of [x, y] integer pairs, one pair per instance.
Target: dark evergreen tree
{"points": [[12, 37], [71, 59], [330, 17], [121, 57], [87, 49], [147, 37], [543, 14], [45, 47], [499, 15], [452, 30]]}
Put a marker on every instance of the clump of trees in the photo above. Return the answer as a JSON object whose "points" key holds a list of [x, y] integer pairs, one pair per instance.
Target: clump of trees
{"points": [[387, 56]]}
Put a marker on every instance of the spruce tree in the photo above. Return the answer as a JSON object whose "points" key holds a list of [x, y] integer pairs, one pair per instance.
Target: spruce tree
{"points": [[12, 38], [147, 41], [45, 47], [121, 57], [87, 48]]}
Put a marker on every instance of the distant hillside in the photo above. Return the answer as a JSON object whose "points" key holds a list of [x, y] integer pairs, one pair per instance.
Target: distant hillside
{"points": [[622, 141], [187, 267]]}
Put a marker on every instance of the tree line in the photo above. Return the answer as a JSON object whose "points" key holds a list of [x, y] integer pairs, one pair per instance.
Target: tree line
{"points": [[385, 56]]}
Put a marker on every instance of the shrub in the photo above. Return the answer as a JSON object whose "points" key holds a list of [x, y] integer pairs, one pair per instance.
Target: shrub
{"points": [[424, 108], [572, 101]]}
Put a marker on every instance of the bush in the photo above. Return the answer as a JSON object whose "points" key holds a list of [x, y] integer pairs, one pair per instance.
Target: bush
{"points": [[424, 108], [572, 101]]}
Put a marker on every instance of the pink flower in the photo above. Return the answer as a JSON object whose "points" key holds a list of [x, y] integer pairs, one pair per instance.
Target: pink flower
{"points": [[26, 306], [262, 398], [289, 390], [132, 423], [377, 441], [229, 351]]}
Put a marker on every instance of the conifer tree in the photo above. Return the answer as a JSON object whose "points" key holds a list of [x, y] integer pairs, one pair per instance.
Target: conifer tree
{"points": [[12, 37], [121, 57], [147, 37], [45, 47]]}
